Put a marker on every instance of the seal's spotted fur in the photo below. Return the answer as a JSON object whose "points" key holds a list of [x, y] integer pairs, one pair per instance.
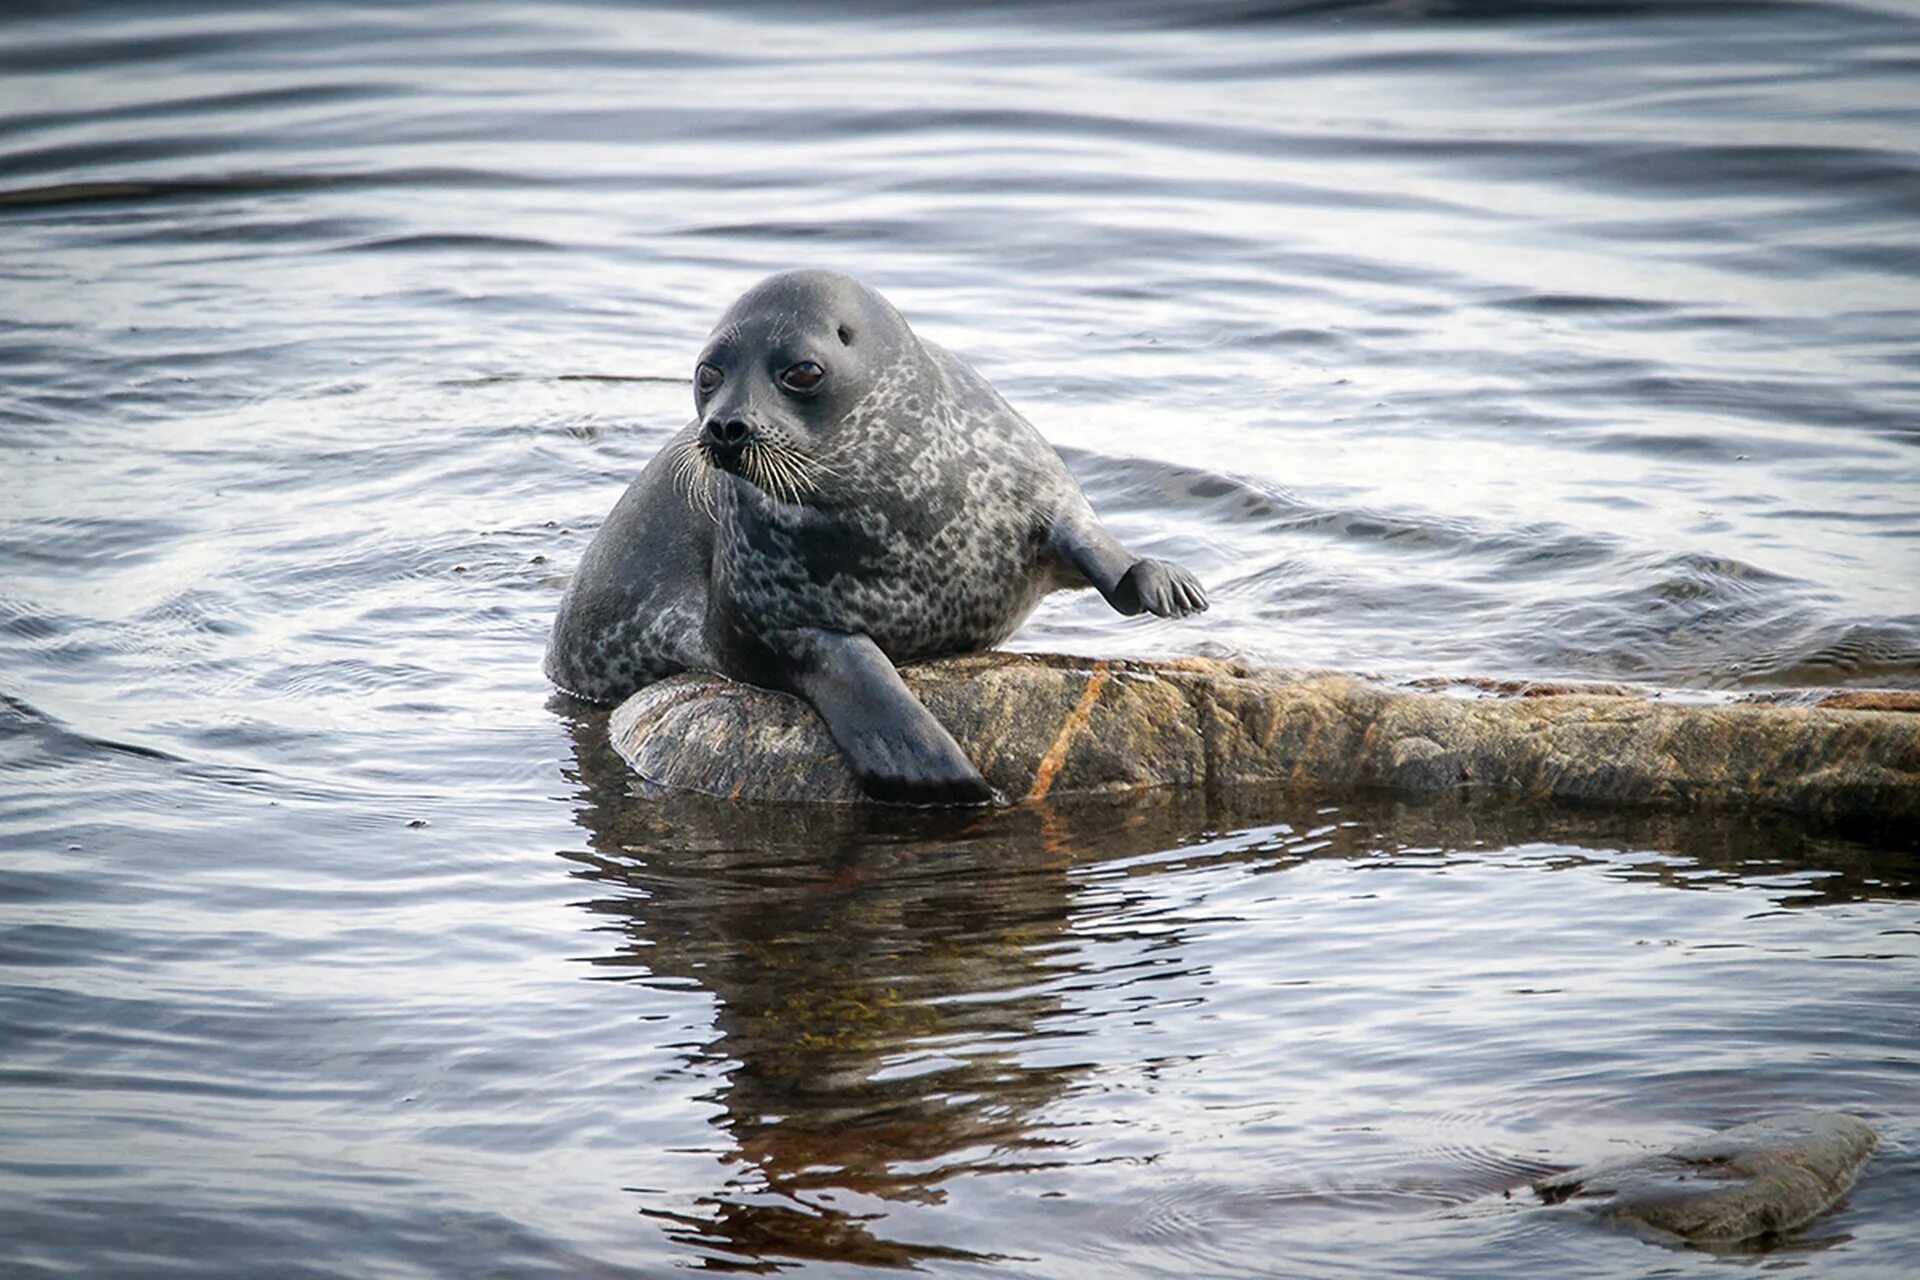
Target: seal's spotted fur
{"points": [[903, 501], [937, 533]]}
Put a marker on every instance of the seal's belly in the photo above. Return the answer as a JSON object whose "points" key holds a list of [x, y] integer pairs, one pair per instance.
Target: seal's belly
{"points": [[963, 586]]}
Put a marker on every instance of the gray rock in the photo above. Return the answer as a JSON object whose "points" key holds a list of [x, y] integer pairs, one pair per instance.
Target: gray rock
{"points": [[1751, 1180], [1044, 725]]}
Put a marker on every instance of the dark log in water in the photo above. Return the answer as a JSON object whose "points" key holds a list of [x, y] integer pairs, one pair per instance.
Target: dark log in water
{"points": [[1045, 725]]}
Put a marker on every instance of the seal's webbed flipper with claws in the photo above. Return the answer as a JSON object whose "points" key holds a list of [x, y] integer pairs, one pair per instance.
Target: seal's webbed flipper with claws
{"points": [[1160, 587], [899, 752], [1130, 585]]}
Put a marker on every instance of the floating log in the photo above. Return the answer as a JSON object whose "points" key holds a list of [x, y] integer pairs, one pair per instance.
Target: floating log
{"points": [[1040, 726]]}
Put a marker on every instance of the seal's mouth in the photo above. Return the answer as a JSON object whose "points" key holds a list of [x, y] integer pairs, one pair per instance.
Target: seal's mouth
{"points": [[727, 457]]}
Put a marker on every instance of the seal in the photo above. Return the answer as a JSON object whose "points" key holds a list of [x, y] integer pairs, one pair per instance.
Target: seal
{"points": [[847, 497]]}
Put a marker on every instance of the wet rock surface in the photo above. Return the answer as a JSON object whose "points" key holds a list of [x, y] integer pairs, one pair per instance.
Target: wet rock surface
{"points": [[1750, 1181], [1047, 725]]}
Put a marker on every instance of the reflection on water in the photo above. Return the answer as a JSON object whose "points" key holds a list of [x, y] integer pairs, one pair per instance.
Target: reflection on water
{"points": [[1442, 339], [874, 975], [898, 997]]}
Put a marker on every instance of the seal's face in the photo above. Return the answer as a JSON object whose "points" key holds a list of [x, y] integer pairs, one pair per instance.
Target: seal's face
{"points": [[780, 373]]}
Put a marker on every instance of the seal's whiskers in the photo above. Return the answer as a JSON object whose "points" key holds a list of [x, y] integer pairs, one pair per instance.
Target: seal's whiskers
{"points": [[693, 476], [781, 471]]}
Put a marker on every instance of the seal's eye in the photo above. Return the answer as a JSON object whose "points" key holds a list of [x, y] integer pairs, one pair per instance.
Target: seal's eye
{"points": [[804, 376], [707, 377]]}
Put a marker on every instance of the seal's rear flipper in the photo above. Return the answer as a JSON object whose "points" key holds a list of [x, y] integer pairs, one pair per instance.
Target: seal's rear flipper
{"points": [[898, 751]]}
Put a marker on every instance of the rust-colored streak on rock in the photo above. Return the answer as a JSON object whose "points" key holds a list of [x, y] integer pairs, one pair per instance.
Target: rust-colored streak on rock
{"points": [[1069, 729]]}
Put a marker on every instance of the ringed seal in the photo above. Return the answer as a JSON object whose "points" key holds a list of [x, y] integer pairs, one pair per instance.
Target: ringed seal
{"points": [[846, 497]]}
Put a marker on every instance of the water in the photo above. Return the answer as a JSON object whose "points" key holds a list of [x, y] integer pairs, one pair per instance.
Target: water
{"points": [[1479, 339]]}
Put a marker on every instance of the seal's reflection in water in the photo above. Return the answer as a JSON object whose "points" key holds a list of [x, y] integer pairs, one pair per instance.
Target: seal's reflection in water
{"points": [[838, 943], [879, 975], [882, 978]]}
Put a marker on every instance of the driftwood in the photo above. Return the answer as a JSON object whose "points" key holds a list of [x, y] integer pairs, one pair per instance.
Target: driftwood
{"points": [[1041, 726]]}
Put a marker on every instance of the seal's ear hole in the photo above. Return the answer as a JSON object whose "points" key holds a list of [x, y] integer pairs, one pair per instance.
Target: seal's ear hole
{"points": [[846, 336]]}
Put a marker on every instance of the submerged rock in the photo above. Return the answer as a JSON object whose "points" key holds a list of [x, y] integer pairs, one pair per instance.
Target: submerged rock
{"points": [[1040, 725], [1751, 1180]]}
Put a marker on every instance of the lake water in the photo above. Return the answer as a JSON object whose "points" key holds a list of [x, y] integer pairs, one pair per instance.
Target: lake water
{"points": [[1439, 338]]}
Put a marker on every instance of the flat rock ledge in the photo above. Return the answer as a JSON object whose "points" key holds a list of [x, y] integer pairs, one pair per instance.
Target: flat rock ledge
{"points": [[1752, 1180], [1039, 725]]}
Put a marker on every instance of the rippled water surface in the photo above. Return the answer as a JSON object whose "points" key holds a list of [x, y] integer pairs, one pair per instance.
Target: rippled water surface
{"points": [[1449, 338]]}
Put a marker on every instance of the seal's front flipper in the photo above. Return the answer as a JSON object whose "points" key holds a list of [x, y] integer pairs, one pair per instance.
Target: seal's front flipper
{"points": [[1162, 587], [899, 752], [1131, 586]]}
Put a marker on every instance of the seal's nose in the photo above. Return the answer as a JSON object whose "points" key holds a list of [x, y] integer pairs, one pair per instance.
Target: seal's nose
{"points": [[727, 434]]}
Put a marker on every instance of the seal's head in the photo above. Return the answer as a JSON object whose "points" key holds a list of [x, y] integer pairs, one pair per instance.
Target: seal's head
{"points": [[783, 369]]}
